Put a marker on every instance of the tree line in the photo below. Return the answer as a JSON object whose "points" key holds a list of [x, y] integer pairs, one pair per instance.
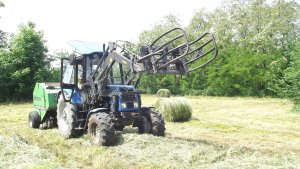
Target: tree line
{"points": [[258, 45], [258, 51]]}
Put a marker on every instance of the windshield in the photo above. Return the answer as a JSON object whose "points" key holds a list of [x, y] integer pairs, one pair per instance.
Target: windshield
{"points": [[115, 75]]}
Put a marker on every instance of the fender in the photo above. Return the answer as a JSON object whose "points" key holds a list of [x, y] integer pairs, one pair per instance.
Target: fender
{"points": [[94, 111]]}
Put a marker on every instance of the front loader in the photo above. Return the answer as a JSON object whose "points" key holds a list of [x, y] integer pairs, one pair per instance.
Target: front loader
{"points": [[98, 88]]}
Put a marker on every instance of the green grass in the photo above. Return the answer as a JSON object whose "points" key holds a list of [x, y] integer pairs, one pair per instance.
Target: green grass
{"points": [[222, 133]]}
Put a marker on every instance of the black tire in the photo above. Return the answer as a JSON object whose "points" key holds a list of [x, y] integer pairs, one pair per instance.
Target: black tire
{"points": [[101, 129], [157, 121], [119, 128], [50, 122], [66, 119], [144, 125], [34, 120]]}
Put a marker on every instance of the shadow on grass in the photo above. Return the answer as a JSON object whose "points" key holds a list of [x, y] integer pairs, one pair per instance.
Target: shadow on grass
{"points": [[119, 135], [120, 139], [201, 141], [130, 130]]}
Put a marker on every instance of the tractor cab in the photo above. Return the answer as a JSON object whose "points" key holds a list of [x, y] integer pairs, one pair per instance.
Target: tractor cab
{"points": [[77, 69]]}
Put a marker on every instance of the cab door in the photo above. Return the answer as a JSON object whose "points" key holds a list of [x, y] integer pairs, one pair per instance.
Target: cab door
{"points": [[68, 78]]}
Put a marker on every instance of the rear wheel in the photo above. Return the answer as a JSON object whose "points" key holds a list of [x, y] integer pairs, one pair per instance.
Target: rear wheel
{"points": [[66, 119], [101, 129], [34, 119]]}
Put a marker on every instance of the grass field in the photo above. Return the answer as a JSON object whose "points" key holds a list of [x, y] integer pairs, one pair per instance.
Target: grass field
{"points": [[223, 133]]}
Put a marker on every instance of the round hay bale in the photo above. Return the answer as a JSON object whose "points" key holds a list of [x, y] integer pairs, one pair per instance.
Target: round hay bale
{"points": [[163, 93], [174, 110]]}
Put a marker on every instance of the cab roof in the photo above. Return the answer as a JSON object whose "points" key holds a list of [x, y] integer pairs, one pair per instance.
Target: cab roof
{"points": [[87, 48]]}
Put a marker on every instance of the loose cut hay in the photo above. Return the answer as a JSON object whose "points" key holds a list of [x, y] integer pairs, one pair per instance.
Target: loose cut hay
{"points": [[174, 110], [163, 93]]}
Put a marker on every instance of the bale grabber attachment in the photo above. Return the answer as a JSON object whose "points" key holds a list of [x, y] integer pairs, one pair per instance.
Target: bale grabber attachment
{"points": [[172, 53]]}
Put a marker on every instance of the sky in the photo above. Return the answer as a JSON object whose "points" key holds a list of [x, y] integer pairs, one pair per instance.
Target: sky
{"points": [[95, 20]]}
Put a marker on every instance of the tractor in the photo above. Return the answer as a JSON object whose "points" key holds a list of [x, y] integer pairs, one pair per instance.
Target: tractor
{"points": [[98, 91]]}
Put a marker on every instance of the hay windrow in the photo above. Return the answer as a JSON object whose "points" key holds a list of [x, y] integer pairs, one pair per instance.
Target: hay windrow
{"points": [[17, 153], [163, 93], [175, 109]]}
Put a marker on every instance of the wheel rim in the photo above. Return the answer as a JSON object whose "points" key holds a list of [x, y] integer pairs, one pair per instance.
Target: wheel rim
{"points": [[95, 133], [64, 120]]}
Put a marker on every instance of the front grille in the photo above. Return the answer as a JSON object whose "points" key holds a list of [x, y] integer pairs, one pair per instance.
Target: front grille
{"points": [[130, 105], [128, 97]]}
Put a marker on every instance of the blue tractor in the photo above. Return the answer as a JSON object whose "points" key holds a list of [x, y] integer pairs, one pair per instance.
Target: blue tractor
{"points": [[98, 88]]}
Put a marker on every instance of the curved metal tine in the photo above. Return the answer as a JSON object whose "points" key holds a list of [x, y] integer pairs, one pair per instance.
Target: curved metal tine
{"points": [[201, 56], [164, 34], [170, 41], [184, 45], [215, 48], [212, 39], [147, 56], [173, 60], [173, 49], [160, 49], [202, 36], [204, 64], [203, 45]]}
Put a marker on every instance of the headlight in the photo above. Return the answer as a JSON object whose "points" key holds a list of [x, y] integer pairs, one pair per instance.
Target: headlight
{"points": [[123, 105], [135, 105]]}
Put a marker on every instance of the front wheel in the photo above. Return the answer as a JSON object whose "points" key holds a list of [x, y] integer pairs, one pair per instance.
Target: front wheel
{"points": [[144, 125], [157, 121], [101, 129]]}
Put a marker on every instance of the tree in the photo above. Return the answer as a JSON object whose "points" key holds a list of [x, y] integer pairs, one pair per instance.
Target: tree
{"points": [[55, 64], [3, 35], [251, 35], [1, 5], [289, 85], [25, 63]]}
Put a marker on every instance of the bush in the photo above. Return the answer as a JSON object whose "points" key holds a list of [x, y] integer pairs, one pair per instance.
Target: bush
{"points": [[174, 110], [163, 93], [288, 86]]}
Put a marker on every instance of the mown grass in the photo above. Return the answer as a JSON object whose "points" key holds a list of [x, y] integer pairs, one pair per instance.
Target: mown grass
{"points": [[223, 133]]}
